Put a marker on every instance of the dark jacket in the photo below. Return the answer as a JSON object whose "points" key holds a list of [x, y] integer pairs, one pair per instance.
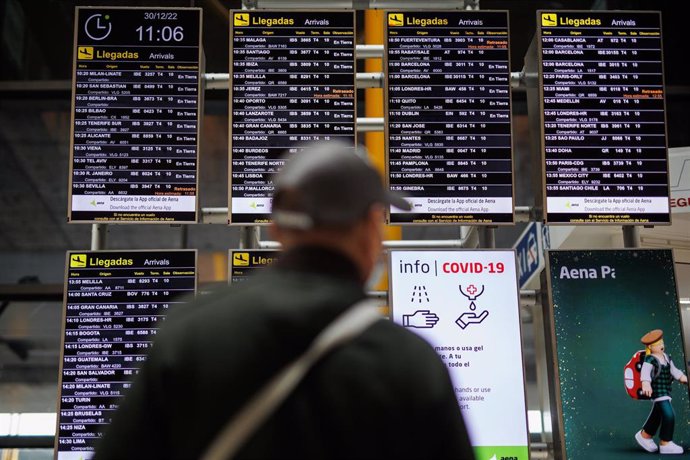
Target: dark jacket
{"points": [[386, 394]]}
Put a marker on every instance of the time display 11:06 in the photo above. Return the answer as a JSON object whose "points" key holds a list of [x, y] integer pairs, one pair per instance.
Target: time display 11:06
{"points": [[165, 33]]}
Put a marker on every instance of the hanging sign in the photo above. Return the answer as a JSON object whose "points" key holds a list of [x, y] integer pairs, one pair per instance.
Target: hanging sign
{"points": [[466, 305], [114, 301], [448, 123], [292, 81], [603, 117], [136, 112]]}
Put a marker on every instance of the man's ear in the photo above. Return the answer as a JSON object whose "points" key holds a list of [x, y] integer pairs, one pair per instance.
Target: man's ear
{"points": [[377, 216], [374, 227]]}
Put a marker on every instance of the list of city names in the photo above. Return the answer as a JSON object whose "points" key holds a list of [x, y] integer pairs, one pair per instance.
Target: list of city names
{"points": [[292, 81], [448, 125], [604, 130], [136, 115], [114, 302]]}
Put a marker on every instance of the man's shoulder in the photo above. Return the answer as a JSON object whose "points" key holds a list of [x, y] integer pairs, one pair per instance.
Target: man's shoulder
{"points": [[388, 355], [267, 297], [398, 344]]}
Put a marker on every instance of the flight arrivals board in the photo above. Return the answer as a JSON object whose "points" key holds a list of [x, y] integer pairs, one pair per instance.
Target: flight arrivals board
{"points": [[136, 111], [292, 81], [603, 117], [114, 302], [448, 124], [244, 263]]}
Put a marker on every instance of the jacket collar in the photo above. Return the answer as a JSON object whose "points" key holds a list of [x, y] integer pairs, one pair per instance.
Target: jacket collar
{"points": [[319, 260]]}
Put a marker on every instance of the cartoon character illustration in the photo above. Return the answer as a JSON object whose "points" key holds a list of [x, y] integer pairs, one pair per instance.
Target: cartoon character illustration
{"points": [[658, 372]]}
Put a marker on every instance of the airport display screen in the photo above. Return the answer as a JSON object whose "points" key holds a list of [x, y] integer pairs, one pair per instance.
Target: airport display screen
{"points": [[465, 304], [292, 81], [246, 262], [603, 117], [448, 124], [136, 113], [598, 306], [114, 301]]}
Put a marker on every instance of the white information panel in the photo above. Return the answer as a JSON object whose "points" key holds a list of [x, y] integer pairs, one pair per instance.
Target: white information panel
{"points": [[466, 304]]}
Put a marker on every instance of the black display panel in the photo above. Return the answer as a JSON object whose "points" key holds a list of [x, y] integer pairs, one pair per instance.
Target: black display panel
{"points": [[603, 117], [136, 109], [246, 262], [113, 303], [448, 127], [292, 80]]}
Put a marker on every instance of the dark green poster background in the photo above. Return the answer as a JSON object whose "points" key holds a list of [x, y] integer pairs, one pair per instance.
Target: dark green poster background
{"points": [[599, 321]]}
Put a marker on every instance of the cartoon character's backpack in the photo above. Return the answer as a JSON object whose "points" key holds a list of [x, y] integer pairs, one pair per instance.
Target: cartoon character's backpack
{"points": [[632, 372]]}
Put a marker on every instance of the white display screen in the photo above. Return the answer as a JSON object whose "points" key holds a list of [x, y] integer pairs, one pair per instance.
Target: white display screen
{"points": [[466, 305]]}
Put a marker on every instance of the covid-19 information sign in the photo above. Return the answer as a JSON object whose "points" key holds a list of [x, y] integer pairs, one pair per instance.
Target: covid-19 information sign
{"points": [[114, 303], [136, 112], [448, 116], [466, 305], [603, 117]]}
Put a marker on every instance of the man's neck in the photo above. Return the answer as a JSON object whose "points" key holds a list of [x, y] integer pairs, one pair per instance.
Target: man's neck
{"points": [[319, 259]]}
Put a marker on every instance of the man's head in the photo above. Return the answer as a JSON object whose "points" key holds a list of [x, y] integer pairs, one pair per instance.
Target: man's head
{"points": [[330, 195]]}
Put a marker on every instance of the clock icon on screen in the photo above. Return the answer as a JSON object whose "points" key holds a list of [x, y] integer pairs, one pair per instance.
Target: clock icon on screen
{"points": [[98, 26]]}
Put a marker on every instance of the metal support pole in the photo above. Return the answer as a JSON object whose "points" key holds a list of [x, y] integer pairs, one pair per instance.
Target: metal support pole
{"points": [[214, 215], [631, 236], [524, 214], [250, 237], [369, 79], [529, 298], [369, 124], [487, 237], [219, 215], [184, 236], [98, 236], [362, 80], [368, 51], [364, 4], [467, 239], [403, 244]]}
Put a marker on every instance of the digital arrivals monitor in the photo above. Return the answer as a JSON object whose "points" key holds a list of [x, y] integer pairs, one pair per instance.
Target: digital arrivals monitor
{"points": [[246, 262], [466, 305], [448, 124], [292, 81], [603, 117], [136, 111], [113, 303], [600, 304]]}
